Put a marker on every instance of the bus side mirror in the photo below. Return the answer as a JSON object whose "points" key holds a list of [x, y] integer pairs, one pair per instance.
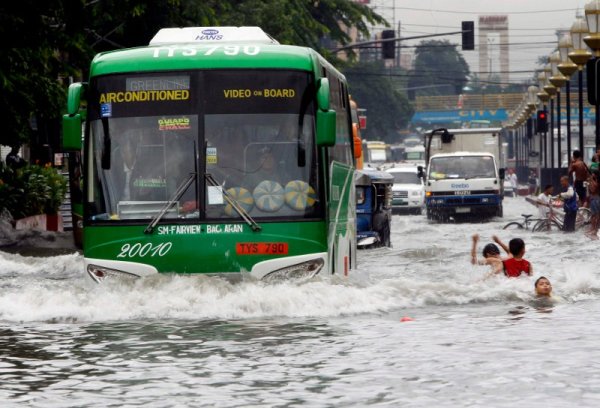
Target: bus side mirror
{"points": [[72, 120], [323, 94], [357, 142], [325, 116], [71, 126], [325, 128], [74, 98]]}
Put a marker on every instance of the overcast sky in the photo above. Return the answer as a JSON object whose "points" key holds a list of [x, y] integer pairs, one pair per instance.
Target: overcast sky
{"points": [[532, 24]]}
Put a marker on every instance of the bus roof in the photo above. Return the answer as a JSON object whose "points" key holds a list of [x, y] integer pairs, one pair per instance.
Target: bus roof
{"points": [[204, 56], [470, 130], [457, 154], [212, 35]]}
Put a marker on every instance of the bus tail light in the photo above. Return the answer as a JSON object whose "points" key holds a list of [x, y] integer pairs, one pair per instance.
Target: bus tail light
{"points": [[303, 270], [99, 273]]}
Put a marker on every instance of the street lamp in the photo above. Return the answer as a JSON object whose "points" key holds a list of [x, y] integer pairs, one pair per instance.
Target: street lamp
{"points": [[544, 97], [579, 55], [552, 91], [558, 80], [532, 103], [592, 16], [567, 68]]}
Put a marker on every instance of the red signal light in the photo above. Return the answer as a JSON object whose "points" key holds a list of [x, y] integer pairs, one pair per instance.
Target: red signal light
{"points": [[542, 121]]}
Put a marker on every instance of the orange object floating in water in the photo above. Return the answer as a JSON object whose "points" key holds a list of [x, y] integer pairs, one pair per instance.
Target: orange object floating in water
{"points": [[407, 319]]}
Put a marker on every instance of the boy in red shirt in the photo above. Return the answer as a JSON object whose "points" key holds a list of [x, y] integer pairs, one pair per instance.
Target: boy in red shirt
{"points": [[515, 266]]}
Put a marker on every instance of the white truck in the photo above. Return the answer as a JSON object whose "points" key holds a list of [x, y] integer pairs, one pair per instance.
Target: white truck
{"points": [[464, 173]]}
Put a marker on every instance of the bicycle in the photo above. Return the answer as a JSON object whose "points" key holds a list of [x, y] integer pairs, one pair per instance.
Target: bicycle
{"points": [[555, 221], [521, 225]]}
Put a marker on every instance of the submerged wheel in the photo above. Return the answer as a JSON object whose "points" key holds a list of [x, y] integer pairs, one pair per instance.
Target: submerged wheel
{"points": [[584, 216], [541, 225], [513, 226], [385, 234], [546, 226]]}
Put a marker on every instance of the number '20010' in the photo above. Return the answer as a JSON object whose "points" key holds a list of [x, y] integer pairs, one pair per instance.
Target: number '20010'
{"points": [[148, 249]]}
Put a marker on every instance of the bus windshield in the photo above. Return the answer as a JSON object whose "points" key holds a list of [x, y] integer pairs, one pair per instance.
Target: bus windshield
{"points": [[251, 131]]}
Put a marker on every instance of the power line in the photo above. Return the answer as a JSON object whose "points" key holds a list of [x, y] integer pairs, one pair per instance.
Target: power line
{"points": [[510, 29], [517, 35], [488, 12]]}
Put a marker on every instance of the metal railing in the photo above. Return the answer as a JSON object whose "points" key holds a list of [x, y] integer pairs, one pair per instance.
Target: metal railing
{"points": [[508, 101]]}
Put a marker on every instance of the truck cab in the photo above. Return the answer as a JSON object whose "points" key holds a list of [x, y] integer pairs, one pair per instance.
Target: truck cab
{"points": [[465, 184]]}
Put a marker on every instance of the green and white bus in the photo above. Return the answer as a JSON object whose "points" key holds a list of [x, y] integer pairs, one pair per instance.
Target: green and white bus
{"points": [[214, 150]]}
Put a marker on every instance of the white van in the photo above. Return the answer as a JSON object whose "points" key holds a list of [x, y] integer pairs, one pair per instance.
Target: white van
{"points": [[408, 189]]}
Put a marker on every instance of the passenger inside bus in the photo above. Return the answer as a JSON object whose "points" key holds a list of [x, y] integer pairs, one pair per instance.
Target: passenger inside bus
{"points": [[265, 168], [147, 166]]}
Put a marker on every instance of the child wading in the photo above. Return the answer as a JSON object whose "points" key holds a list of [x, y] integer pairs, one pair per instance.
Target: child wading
{"points": [[515, 266]]}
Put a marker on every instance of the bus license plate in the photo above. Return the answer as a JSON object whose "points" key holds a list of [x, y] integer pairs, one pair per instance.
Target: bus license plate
{"points": [[462, 210], [261, 248]]}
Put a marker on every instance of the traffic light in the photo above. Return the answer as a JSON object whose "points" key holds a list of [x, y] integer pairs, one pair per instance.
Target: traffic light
{"points": [[388, 48], [542, 121], [468, 35]]}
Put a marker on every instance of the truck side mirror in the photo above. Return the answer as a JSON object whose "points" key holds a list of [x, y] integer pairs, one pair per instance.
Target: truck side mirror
{"points": [[420, 172], [501, 173], [447, 137]]}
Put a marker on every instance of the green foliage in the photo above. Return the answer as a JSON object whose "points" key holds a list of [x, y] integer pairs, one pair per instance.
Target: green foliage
{"points": [[377, 89], [56, 39], [439, 69], [31, 190]]}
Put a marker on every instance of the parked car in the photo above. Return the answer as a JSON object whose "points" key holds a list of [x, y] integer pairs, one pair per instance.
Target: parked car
{"points": [[408, 189]]}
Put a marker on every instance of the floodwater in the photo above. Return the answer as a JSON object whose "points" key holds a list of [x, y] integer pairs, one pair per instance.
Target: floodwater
{"points": [[176, 341]]}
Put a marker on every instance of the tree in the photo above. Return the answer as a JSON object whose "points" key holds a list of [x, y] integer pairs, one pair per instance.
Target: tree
{"points": [[439, 69], [57, 39], [375, 88]]}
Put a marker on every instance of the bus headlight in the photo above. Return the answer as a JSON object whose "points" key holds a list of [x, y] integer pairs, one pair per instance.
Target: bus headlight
{"points": [[99, 273], [303, 270]]}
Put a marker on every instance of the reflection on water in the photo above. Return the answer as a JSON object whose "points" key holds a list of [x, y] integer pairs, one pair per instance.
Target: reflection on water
{"points": [[197, 341], [144, 355]]}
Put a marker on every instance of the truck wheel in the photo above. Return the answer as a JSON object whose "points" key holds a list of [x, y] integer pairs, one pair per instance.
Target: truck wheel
{"points": [[500, 211], [429, 215]]}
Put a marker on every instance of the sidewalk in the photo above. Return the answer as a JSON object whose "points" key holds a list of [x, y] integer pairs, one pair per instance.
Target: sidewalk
{"points": [[34, 242]]}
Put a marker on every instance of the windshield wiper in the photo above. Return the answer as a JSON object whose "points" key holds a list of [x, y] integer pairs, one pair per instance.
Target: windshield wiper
{"points": [[231, 201], [176, 196], [479, 176]]}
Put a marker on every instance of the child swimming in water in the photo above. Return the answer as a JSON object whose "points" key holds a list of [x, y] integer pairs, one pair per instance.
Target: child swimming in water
{"points": [[491, 254], [543, 287]]}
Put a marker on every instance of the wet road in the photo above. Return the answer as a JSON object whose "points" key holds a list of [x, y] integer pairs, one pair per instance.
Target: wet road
{"points": [[176, 341]]}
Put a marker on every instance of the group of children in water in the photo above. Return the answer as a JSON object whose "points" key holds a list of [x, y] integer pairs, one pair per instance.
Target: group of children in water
{"points": [[513, 265]]}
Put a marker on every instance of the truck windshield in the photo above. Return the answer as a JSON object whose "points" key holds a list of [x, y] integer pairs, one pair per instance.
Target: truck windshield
{"points": [[406, 178], [149, 132], [415, 155], [377, 155], [461, 167]]}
